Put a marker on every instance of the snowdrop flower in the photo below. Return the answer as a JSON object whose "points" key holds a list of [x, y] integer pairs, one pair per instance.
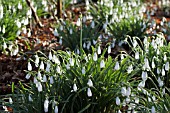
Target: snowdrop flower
{"points": [[130, 69], [119, 111], [99, 50], [89, 93], [74, 87], [90, 83], [42, 65], [128, 91], [19, 6], [60, 41], [78, 23], [127, 100], [71, 31], [35, 80], [1, 11], [84, 45], [109, 49], [29, 66], [10, 100], [123, 91], [30, 98], [102, 64], [158, 71], [153, 109], [71, 62], [61, 28], [144, 75], [58, 70], [44, 78], [83, 71], [88, 45], [39, 85], [92, 24], [4, 45], [28, 76], [55, 59], [117, 101], [136, 100], [67, 66], [146, 64], [84, 19], [141, 84], [51, 80], [117, 67], [134, 43], [29, 13], [165, 57], [56, 33], [137, 55], [167, 66], [160, 82], [39, 77], [46, 104], [153, 64], [163, 72], [56, 109], [95, 56], [50, 56]]}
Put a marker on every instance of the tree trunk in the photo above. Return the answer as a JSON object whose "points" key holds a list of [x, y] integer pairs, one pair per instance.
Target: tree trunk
{"points": [[59, 9]]}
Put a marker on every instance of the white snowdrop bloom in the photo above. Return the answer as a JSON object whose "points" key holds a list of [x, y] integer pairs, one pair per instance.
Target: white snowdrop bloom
{"points": [[137, 55], [163, 91], [102, 64], [127, 100], [46, 105], [83, 71], [130, 69], [117, 67], [94, 42], [28, 75], [44, 79], [18, 23], [117, 101], [89, 93], [29, 13], [10, 100], [51, 80], [39, 85], [160, 82], [56, 33], [95, 56], [56, 109], [60, 41], [19, 6], [71, 31], [119, 111], [56, 60], [16, 50], [26, 22], [67, 66], [135, 43], [136, 100], [58, 69], [167, 66], [99, 50], [90, 83], [42, 65], [35, 80], [29, 66], [146, 64], [158, 71], [153, 64], [109, 49], [141, 84], [3, 29], [144, 75], [84, 45], [157, 51], [88, 45], [50, 56], [39, 77], [1, 12], [75, 87], [78, 51], [123, 91], [163, 72], [30, 98], [92, 24], [61, 28], [84, 19], [71, 62], [153, 109], [128, 91], [78, 23], [165, 57], [4, 45]]}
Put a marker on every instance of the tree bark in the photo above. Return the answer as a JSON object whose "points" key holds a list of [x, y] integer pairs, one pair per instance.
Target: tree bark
{"points": [[59, 8]]}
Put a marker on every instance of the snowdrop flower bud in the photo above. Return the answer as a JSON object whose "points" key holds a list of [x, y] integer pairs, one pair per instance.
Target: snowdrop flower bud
{"points": [[165, 57], [50, 56], [71, 31], [19, 6], [144, 75], [51, 80], [74, 87], [130, 69], [163, 72], [167, 66], [123, 91], [28, 76], [42, 65], [153, 110], [158, 71], [141, 84], [95, 56], [109, 49], [44, 78], [137, 55], [83, 70], [89, 93], [10, 100], [102, 64], [117, 101], [90, 83], [78, 23], [30, 98], [71, 62], [56, 33], [128, 91], [99, 50], [46, 104], [153, 64], [56, 109], [160, 82], [29, 66], [39, 85], [92, 24], [117, 67]]}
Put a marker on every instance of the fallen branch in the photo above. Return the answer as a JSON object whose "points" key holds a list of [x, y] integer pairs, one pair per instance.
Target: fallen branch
{"points": [[37, 20]]}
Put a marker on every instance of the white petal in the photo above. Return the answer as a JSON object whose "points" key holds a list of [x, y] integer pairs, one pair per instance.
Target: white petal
{"points": [[117, 101], [89, 93]]}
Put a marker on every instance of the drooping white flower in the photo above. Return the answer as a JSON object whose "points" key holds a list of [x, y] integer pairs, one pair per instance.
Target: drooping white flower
{"points": [[71, 62], [92, 24], [78, 23], [163, 72], [136, 100], [61, 28], [146, 64], [119, 111], [95, 56], [42, 65], [102, 64], [51, 80], [55, 59], [56, 109], [117, 101], [74, 87], [10, 100], [35, 80], [56, 33], [19, 6], [141, 84], [30, 98], [84, 45], [144, 75], [167, 66], [39, 77], [71, 31], [89, 93], [84, 19], [160, 82], [153, 109], [128, 91], [50, 56], [117, 67], [37, 60], [60, 41], [83, 71], [46, 105], [67, 66], [4, 45], [44, 78], [153, 64], [28, 75], [39, 85], [90, 83], [58, 69], [109, 49], [123, 91], [130, 69], [165, 57], [158, 71], [29, 66], [127, 100], [99, 50]]}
